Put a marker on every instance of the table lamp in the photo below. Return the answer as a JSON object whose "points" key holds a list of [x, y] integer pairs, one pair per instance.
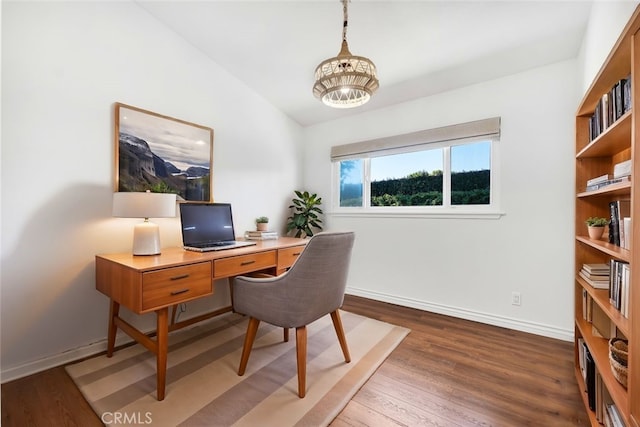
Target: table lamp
{"points": [[146, 235]]}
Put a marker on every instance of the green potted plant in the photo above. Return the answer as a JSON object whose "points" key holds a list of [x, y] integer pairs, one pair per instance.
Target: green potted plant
{"points": [[596, 226], [305, 215], [262, 223]]}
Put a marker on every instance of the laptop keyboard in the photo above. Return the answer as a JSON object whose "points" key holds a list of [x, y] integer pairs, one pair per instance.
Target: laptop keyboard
{"points": [[211, 244]]}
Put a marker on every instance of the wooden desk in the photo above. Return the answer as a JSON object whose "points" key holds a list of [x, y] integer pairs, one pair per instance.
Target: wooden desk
{"points": [[145, 284]]}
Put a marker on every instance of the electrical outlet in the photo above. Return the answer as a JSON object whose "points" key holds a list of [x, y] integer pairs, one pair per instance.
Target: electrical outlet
{"points": [[515, 298]]}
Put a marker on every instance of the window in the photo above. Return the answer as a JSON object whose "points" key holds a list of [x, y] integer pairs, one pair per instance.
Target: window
{"points": [[446, 170]]}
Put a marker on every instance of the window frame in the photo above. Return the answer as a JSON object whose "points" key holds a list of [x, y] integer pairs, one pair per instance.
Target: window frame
{"points": [[446, 210]]}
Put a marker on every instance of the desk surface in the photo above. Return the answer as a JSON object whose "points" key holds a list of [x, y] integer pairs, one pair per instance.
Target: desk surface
{"points": [[179, 256]]}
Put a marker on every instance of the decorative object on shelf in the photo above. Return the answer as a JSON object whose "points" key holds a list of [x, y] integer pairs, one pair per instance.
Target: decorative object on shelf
{"points": [[619, 359], [305, 216], [162, 153], [262, 223], [596, 226], [146, 235], [345, 81]]}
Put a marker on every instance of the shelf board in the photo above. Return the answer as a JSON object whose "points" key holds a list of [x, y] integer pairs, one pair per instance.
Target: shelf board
{"points": [[607, 248], [601, 297], [619, 189], [599, 348], [614, 139]]}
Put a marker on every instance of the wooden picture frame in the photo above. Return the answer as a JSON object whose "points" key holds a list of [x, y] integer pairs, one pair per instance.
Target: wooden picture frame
{"points": [[162, 154]]}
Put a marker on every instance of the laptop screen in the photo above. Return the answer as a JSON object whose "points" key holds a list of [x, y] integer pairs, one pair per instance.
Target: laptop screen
{"points": [[206, 223]]}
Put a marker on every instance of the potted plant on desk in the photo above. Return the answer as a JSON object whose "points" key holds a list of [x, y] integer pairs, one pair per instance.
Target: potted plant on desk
{"points": [[595, 226], [262, 223]]}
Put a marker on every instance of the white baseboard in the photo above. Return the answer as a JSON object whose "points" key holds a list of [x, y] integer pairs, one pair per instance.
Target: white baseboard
{"points": [[73, 355], [49, 362], [490, 319]]}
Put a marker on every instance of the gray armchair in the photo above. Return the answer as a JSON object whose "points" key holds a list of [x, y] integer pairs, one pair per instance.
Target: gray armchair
{"points": [[312, 288]]}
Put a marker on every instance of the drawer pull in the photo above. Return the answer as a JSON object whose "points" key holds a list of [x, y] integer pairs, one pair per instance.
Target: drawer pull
{"points": [[181, 291], [296, 253], [247, 262], [182, 276]]}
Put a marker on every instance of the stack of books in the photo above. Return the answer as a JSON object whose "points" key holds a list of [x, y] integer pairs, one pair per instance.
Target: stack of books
{"points": [[604, 181], [597, 275], [260, 235], [613, 105]]}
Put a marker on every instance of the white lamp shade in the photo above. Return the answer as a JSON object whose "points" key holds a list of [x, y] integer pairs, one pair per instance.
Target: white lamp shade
{"points": [[146, 235], [144, 205]]}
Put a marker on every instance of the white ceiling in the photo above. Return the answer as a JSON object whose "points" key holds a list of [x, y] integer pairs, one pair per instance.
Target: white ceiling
{"points": [[419, 47]]}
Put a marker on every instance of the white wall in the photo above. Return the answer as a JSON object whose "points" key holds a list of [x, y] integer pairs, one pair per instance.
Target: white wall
{"points": [[64, 64], [468, 268], [606, 22]]}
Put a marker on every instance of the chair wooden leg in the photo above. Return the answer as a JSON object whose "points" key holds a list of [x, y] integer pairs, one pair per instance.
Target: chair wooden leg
{"points": [[301, 352], [249, 338], [337, 325], [286, 334]]}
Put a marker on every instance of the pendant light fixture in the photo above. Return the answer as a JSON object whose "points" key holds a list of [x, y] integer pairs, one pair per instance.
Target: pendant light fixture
{"points": [[345, 81]]}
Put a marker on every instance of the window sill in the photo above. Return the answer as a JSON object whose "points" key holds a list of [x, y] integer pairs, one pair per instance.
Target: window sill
{"points": [[440, 214]]}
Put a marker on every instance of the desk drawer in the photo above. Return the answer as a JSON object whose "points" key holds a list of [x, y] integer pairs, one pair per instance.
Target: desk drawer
{"points": [[175, 285], [237, 265], [288, 256]]}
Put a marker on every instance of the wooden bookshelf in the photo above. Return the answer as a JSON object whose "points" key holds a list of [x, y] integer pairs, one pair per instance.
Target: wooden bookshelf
{"points": [[596, 156]]}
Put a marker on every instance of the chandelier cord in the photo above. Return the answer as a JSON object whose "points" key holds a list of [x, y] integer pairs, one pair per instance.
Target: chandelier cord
{"points": [[345, 20]]}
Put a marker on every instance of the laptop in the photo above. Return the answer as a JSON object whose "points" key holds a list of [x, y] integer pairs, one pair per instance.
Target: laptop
{"points": [[208, 227]]}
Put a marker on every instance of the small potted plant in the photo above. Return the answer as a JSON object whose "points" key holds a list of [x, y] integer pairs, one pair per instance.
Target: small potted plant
{"points": [[262, 223], [595, 226]]}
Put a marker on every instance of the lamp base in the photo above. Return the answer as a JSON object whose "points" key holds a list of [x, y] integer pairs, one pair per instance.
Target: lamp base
{"points": [[146, 238]]}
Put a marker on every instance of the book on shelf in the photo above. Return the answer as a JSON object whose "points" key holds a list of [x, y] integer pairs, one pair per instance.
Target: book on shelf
{"points": [[599, 392], [590, 379], [619, 284], [618, 210], [622, 169], [626, 233], [582, 363], [596, 284], [260, 235], [596, 275], [597, 268], [614, 419], [611, 106], [602, 326], [599, 277], [598, 179], [607, 183], [608, 410], [587, 302]]}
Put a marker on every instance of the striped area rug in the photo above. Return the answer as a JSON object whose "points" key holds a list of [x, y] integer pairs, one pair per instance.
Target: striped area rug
{"points": [[203, 388]]}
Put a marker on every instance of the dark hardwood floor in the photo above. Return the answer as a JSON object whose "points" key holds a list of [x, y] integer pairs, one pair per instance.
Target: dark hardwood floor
{"points": [[447, 372]]}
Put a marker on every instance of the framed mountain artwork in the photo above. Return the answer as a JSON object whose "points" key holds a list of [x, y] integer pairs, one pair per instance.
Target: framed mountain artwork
{"points": [[162, 154]]}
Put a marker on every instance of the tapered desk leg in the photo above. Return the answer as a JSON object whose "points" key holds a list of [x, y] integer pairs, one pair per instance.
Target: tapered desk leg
{"points": [[162, 331], [114, 310]]}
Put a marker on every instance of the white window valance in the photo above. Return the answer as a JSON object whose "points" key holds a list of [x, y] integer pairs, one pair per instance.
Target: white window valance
{"points": [[479, 129]]}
